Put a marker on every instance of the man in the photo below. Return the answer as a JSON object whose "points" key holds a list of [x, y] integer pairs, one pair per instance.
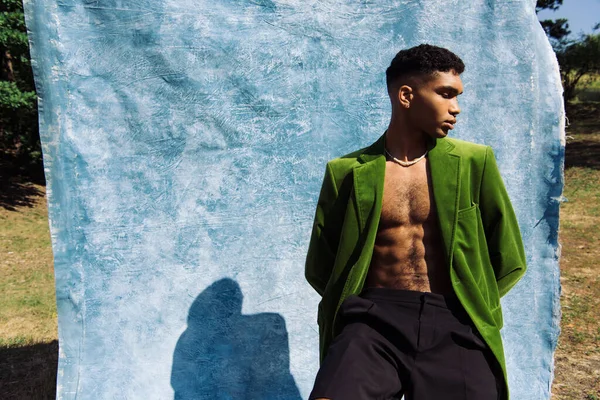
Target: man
{"points": [[413, 244]]}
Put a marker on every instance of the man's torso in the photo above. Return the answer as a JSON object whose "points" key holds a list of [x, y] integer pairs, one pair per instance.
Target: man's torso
{"points": [[408, 252]]}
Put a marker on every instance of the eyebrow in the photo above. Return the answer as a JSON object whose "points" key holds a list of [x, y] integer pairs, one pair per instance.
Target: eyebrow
{"points": [[450, 89]]}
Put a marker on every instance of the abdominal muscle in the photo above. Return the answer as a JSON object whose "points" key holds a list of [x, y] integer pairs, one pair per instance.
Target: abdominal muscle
{"points": [[409, 252], [408, 258]]}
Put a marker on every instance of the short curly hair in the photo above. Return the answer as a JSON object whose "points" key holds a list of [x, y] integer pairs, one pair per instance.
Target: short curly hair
{"points": [[422, 60]]}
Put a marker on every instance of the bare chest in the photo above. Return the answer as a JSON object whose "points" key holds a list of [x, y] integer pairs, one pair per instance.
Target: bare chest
{"points": [[407, 195]]}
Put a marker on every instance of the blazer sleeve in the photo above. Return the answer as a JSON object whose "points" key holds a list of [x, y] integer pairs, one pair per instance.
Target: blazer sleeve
{"points": [[502, 233], [321, 251]]}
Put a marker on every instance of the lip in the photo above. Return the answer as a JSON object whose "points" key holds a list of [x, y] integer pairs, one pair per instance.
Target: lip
{"points": [[450, 125]]}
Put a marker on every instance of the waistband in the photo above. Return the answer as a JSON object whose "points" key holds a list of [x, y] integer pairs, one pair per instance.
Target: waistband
{"points": [[449, 301]]}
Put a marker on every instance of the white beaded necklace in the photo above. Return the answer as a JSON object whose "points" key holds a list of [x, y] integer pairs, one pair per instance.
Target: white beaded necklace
{"points": [[406, 163]]}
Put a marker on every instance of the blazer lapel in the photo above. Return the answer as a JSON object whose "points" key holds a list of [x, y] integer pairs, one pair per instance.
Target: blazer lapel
{"points": [[368, 182], [445, 177]]}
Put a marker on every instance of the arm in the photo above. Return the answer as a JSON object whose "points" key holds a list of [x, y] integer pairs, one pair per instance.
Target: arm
{"points": [[505, 245], [321, 252]]}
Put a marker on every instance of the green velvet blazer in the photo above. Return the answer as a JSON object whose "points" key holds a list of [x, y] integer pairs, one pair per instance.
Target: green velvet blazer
{"points": [[482, 241]]}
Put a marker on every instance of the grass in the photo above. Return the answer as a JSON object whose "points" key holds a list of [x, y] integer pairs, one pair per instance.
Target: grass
{"points": [[577, 359], [27, 300], [588, 89], [28, 327], [28, 331]]}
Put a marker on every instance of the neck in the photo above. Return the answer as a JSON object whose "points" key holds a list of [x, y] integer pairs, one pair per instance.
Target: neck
{"points": [[404, 142]]}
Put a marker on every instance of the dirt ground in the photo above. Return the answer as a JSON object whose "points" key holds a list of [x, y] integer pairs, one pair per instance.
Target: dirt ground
{"points": [[577, 359]]}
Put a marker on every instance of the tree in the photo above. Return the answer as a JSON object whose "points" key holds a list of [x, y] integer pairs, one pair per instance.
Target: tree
{"points": [[19, 135], [579, 59], [557, 30], [548, 4], [576, 57]]}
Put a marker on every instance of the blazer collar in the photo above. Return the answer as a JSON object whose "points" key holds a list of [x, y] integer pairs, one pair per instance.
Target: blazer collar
{"points": [[369, 176], [374, 151], [436, 147]]}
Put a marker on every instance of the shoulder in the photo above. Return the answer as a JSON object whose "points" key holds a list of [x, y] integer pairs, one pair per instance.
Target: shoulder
{"points": [[469, 151], [340, 166], [465, 148], [347, 160]]}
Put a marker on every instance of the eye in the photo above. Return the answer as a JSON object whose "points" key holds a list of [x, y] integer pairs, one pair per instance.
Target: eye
{"points": [[446, 95]]}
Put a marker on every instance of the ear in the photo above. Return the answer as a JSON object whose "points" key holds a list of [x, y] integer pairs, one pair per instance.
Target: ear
{"points": [[405, 96]]}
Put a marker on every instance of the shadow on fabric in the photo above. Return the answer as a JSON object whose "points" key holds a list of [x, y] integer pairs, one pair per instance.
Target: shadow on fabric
{"points": [[226, 355]]}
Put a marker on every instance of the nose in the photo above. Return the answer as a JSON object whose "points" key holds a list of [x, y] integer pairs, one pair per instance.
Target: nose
{"points": [[454, 108]]}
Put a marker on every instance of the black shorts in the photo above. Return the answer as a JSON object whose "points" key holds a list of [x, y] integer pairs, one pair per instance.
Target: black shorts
{"points": [[402, 342]]}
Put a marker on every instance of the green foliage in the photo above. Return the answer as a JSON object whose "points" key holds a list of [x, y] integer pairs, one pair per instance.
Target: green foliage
{"points": [[578, 59], [11, 5], [547, 4], [19, 135], [11, 97], [557, 29], [12, 30]]}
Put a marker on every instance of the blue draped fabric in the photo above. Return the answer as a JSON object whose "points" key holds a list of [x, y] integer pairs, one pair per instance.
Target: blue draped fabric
{"points": [[184, 145]]}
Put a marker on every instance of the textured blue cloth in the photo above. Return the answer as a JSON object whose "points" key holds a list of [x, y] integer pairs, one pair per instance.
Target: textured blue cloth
{"points": [[184, 145]]}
